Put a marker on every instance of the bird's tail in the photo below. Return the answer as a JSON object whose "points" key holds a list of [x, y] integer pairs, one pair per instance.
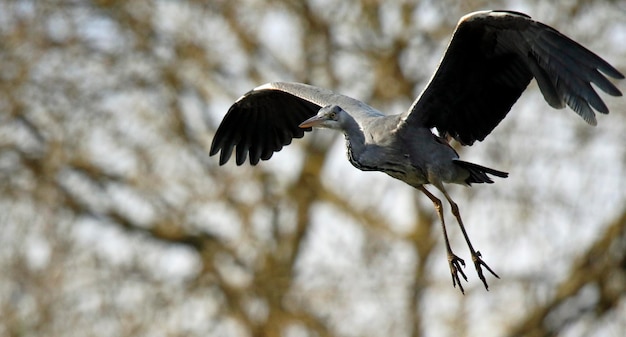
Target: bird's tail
{"points": [[478, 174]]}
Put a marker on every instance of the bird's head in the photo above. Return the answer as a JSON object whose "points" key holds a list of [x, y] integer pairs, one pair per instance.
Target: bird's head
{"points": [[330, 116]]}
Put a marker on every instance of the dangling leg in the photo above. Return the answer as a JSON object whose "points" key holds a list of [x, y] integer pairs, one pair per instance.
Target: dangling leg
{"points": [[454, 261], [476, 257]]}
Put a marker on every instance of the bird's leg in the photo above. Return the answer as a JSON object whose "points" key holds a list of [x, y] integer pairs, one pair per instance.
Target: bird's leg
{"points": [[454, 261], [476, 256]]}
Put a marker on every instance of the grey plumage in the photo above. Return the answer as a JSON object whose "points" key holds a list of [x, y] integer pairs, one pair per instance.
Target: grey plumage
{"points": [[491, 59]]}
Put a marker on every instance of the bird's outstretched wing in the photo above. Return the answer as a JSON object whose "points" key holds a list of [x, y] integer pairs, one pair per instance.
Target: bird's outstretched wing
{"points": [[491, 59], [266, 118]]}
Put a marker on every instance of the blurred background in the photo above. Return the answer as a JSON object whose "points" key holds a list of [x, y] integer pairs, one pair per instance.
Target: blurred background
{"points": [[115, 222]]}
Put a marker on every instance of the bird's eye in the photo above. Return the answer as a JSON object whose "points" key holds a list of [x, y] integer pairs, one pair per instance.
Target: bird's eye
{"points": [[332, 115]]}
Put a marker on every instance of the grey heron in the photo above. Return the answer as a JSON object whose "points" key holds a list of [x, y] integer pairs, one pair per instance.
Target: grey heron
{"points": [[489, 62]]}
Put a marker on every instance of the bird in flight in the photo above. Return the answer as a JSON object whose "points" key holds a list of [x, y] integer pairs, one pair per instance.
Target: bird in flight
{"points": [[489, 62]]}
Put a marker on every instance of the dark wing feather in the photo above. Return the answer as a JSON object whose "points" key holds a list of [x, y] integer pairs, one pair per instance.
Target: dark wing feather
{"points": [[260, 123], [491, 59], [265, 119]]}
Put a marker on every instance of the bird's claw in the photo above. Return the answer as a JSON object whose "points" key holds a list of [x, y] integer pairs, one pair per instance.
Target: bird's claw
{"points": [[455, 263], [478, 264]]}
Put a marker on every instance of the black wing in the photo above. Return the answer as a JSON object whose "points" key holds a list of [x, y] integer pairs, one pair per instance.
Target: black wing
{"points": [[265, 119], [491, 59], [260, 123]]}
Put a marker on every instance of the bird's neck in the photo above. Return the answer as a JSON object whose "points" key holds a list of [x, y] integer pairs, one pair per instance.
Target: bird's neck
{"points": [[354, 134], [355, 143]]}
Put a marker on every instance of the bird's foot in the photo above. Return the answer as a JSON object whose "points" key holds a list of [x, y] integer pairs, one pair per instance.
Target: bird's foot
{"points": [[478, 264], [456, 263]]}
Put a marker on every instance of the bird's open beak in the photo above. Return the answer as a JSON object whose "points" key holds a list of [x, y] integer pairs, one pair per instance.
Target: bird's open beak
{"points": [[311, 122]]}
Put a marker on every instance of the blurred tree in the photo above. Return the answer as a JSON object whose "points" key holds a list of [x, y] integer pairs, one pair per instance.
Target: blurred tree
{"points": [[115, 222]]}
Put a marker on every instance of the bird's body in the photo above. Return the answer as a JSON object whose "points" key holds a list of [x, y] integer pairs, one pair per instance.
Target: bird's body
{"points": [[414, 156], [492, 57]]}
